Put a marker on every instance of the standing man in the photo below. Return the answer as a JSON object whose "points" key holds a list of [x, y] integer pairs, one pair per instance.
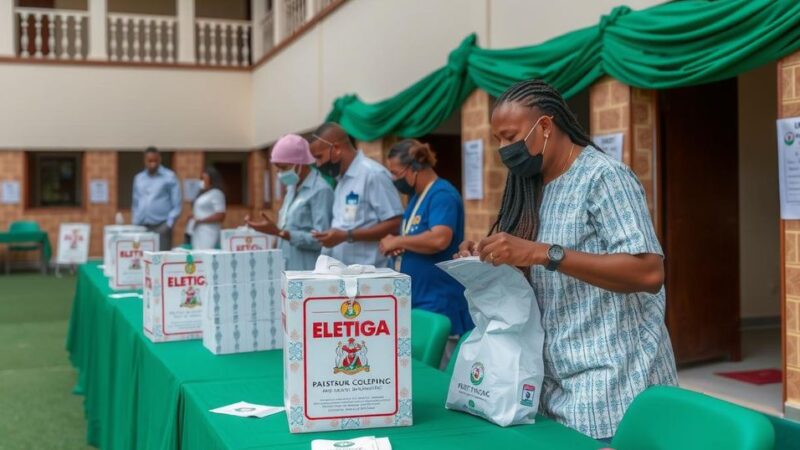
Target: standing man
{"points": [[366, 205], [156, 198]]}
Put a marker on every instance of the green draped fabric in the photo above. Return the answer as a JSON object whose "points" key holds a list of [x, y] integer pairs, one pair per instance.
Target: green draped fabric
{"points": [[676, 44]]}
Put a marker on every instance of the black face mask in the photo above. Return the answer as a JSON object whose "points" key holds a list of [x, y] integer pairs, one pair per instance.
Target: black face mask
{"points": [[402, 185], [330, 168], [518, 159]]}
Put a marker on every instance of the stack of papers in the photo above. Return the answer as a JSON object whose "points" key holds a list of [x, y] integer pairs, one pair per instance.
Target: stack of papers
{"points": [[244, 409], [361, 443]]}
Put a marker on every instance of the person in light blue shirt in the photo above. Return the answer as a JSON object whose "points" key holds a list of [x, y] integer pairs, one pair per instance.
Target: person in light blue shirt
{"points": [[156, 198], [306, 206], [576, 221], [366, 205]]}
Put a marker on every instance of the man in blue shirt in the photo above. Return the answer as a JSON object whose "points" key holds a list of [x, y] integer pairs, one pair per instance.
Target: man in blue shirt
{"points": [[156, 198], [366, 206]]}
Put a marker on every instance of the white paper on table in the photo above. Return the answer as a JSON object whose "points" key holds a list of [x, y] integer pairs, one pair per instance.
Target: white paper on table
{"points": [[360, 443], [125, 295], [245, 409]]}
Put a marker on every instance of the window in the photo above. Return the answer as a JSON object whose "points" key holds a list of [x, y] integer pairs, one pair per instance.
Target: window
{"points": [[54, 179], [128, 165], [232, 168]]}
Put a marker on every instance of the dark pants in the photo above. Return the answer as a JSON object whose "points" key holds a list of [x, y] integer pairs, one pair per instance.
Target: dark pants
{"points": [[164, 235]]}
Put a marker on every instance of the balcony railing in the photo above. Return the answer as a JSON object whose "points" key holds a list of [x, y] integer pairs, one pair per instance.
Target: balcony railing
{"points": [[142, 38], [52, 34], [223, 42], [61, 34]]}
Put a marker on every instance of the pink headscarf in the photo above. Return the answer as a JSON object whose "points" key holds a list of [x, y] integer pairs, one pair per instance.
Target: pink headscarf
{"points": [[291, 149]]}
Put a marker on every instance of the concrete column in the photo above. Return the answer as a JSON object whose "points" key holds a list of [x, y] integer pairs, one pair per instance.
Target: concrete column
{"points": [[186, 44], [789, 106], [8, 28], [98, 49], [258, 10]]}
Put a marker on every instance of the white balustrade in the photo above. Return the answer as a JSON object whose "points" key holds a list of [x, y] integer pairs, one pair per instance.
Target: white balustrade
{"points": [[53, 33], [295, 15], [268, 31], [141, 38], [223, 42]]}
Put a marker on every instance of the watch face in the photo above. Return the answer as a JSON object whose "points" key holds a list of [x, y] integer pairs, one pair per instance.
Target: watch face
{"points": [[555, 253]]}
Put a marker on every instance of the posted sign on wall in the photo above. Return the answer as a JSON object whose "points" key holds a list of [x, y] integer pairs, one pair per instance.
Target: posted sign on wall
{"points": [[789, 166]]}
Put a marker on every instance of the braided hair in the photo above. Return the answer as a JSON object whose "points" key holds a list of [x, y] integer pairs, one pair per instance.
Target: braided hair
{"points": [[522, 197]]}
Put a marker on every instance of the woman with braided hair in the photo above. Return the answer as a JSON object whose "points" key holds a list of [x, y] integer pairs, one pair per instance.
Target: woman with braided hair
{"points": [[577, 222]]}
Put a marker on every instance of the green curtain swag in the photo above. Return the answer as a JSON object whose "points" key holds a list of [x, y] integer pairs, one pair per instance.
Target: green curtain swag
{"points": [[675, 44]]}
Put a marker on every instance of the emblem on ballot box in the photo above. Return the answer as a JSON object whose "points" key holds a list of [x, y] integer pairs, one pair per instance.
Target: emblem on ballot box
{"points": [[136, 258], [190, 294], [351, 358]]}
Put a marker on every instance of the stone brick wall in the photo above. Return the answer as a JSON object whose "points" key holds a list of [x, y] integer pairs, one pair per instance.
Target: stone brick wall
{"points": [[96, 165], [618, 108], [789, 106], [481, 214], [102, 164]]}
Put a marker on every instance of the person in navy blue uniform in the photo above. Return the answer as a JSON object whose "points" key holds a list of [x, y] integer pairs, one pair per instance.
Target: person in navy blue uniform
{"points": [[432, 228]]}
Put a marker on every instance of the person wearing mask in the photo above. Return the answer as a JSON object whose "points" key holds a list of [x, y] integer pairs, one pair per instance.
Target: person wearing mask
{"points": [[366, 206], [577, 221], [306, 206], [208, 212], [156, 202], [432, 229]]}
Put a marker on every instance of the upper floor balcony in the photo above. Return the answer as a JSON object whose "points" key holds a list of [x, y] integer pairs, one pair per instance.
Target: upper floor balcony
{"points": [[189, 32]]}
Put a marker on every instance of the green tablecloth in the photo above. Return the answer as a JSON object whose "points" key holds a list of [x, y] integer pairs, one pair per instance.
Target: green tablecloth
{"points": [[157, 396], [26, 237], [434, 426]]}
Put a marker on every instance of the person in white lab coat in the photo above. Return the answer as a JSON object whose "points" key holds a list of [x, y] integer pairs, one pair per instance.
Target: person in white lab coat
{"points": [[208, 212]]}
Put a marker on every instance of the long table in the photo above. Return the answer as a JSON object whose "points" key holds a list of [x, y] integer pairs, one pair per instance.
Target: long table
{"points": [[157, 396]]}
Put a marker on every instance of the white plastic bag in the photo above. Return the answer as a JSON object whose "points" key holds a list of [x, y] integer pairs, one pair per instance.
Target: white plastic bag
{"points": [[499, 369]]}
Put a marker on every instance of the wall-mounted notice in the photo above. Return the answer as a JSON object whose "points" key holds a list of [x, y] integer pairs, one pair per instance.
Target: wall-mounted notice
{"points": [[610, 144], [473, 170], [10, 194], [789, 166], [98, 191]]}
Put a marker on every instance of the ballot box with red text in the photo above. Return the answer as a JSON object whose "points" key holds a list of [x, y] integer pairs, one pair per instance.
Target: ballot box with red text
{"points": [[172, 296], [347, 347]]}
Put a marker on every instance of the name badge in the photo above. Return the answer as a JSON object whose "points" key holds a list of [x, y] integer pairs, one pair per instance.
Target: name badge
{"points": [[350, 208]]}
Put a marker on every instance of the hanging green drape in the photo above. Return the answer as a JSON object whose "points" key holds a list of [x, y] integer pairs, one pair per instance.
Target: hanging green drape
{"points": [[676, 44]]}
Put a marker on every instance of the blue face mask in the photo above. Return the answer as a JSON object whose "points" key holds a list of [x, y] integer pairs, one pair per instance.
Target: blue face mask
{"points": [[288, 177]]}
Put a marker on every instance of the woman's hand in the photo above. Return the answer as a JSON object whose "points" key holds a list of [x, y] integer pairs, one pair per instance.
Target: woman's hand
{"points": [[503, 248], [465, 249], [391, 245], [265, 225]]}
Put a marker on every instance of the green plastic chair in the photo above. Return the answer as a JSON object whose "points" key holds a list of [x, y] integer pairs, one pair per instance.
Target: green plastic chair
{"points": [[429, 336], [22, 226], [451, 365], [664, 417]]}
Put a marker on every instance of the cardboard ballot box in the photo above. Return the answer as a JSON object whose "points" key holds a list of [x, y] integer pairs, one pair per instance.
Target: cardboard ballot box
{"points": [[347, 348], [110, 230], [171, 298], [127, 251], [244, 239], [242, 311]]}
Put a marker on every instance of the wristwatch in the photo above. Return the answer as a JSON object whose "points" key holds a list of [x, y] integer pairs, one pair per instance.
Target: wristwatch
{"points": [[555, 254], [350, 237]]}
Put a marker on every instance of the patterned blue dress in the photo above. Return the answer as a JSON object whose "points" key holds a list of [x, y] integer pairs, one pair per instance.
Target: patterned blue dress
{"points": [[601, 348]]}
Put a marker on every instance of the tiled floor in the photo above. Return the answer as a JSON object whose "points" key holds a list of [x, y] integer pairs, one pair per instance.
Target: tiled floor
{"points": [[761, 349]]}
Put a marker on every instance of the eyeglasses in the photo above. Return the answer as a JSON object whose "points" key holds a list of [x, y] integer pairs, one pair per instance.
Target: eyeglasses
{"points": [[317, 138]]}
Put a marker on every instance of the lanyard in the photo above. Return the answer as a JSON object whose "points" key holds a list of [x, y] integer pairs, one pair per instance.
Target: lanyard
{"points": [[408, 224]]}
